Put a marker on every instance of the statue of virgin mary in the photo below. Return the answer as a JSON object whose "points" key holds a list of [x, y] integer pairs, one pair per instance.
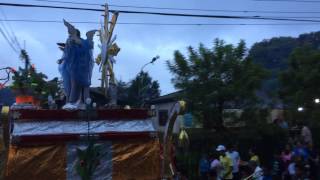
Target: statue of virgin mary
{"points": [[76, 67]]}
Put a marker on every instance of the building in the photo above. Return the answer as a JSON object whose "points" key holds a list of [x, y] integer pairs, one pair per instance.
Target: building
{"points": [[161, 107]]}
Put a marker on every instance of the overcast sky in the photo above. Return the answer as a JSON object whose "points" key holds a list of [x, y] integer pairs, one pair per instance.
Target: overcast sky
{"points": [[139, 43]]}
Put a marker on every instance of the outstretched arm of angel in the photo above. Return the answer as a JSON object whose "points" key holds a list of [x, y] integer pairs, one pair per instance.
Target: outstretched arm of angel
{"points": [[90, 35]]}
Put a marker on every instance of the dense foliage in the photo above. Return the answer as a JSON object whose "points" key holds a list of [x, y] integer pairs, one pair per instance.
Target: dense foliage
{"points": [[301, 81], [138, 91], [300, 86], [273, 54], [213, 79], [33, 83]]}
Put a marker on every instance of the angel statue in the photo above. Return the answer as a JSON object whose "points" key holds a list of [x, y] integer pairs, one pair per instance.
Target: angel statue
{"points": [[76, 67]]}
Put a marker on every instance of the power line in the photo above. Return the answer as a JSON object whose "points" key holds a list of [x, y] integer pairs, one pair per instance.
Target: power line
{"points": [[69, 2], [185, 9], [219, 16], [311, 17], [6, 32], [53, 7], [10, 32], [164, 14], [218, 24], [298, 1], [8, 35], [164, 24], [49, 21], [8, 41]]}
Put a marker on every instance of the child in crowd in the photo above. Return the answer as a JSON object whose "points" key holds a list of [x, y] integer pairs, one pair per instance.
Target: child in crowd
{"points": [[286, 155]]}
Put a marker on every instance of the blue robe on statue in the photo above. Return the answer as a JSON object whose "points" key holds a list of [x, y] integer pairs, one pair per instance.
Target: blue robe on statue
{"points": [[76, 68]]}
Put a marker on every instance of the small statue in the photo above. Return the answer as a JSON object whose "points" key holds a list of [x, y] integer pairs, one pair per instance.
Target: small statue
{"points": [[76, 67]]}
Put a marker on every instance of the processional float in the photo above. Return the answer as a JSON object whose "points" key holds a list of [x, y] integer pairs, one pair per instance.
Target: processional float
{"points": [[82, 141]]}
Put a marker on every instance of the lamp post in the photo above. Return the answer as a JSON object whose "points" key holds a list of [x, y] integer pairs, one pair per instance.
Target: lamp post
{"points": [[154, 59], [300, 109]]}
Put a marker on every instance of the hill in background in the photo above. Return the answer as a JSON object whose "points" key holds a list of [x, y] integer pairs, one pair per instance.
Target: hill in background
{"points": [[273, 55]]}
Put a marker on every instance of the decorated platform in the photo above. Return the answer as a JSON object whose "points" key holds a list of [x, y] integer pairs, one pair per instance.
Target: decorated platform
{"points": [[48, 126], [102, 144], [59, 131]]}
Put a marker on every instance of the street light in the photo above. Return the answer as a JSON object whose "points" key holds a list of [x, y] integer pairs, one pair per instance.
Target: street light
{"points": [[300, 109], [154, 59], [317, 100]]}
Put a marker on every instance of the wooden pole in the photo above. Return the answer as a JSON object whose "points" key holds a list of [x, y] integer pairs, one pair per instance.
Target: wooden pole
{"points": [[113, 24], [104, 36], [107, 73]]}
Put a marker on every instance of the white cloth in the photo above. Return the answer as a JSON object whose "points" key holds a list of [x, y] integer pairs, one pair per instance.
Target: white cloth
{"points": [[25, 128], [221, 148], [235, 157], [306, 134], [258, 174], [215, 164]]}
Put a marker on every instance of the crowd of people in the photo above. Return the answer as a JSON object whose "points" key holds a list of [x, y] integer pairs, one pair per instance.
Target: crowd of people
{"points": [[296, 160]]}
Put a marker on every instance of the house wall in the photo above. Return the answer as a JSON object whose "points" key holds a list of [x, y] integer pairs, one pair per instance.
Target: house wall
{"points": [[229, 121], [276, 114], [167, 107]]}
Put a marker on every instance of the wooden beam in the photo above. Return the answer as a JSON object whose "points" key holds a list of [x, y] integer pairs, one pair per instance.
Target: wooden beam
{"points": [[113, 24]]}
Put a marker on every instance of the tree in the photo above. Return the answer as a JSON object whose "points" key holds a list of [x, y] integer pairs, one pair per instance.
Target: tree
{"points": [[142, 89], [213, 79], [122, 90], [34, 83], [300, 84], [29, 81], [273, 54]]}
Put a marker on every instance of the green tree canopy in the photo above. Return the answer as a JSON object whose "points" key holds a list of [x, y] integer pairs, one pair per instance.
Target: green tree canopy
{"points": [[300, 84], [34, 83], [142, 89], [273, 54], [139, 90], [216, 78], [122, 90]]}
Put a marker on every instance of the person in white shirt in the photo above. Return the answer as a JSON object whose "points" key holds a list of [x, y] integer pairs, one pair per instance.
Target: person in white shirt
{"points": [[215, 167], [306, 135], [292, 169], [258, 172]]}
